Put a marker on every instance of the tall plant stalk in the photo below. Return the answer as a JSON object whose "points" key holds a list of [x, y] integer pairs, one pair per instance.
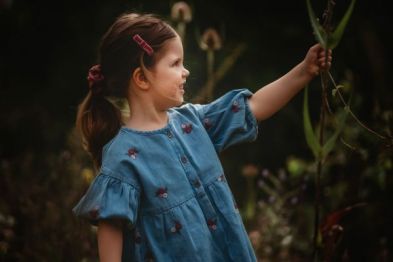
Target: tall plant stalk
{"points": [[324, 81]]}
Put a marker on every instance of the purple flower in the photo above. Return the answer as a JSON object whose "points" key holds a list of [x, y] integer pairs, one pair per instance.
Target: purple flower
{"points": [[272, 199], [265, 172], [282, 175], [261, 183], [294, 200]]}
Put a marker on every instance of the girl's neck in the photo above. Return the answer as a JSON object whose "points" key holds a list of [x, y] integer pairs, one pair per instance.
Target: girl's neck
{"points": [[145, 117]]}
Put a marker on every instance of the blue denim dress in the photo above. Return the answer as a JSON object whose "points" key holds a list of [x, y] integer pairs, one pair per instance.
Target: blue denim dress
{"points": [[169, 187]]}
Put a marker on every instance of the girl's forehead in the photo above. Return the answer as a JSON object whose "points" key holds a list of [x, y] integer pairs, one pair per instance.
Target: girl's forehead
{"points": [[172, 47]]}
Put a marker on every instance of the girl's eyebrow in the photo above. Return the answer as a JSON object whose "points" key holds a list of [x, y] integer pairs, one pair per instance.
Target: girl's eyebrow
{"points": [[176, 58]]}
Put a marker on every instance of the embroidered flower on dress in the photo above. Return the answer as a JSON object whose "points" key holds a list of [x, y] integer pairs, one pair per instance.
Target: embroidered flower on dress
{"points": [[162, 192], [235, 107], [187, 128], [221, 178], [207, 123], [236, 207], [177, 227], [212, 224], [132, 152]]}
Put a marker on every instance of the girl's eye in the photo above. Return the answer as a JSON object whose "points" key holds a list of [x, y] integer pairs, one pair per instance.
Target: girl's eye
{"points": [[176, 63]]}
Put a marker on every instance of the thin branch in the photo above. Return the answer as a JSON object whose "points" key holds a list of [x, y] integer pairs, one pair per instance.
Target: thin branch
{"points": [[353, 148], [352, 114]]}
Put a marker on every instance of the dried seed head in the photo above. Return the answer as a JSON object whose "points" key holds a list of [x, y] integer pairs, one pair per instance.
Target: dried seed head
{"points": [[181, 12], [250, 170], [211, 40]]}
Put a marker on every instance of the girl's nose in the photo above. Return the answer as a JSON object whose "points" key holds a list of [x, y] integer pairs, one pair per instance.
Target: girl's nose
{"points": [[186, 73]]}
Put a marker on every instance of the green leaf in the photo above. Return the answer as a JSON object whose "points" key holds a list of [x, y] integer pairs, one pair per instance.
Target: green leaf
{"points": [[308, 130], [335, 38], [329, 145], [319, 32]]}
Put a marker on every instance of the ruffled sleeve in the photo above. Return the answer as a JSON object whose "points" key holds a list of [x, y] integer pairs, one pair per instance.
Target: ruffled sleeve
{"points": [[229, 120], [109, 197]]}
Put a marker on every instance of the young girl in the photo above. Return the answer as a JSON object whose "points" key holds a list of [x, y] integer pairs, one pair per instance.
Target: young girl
{"points": [[161, 193]]}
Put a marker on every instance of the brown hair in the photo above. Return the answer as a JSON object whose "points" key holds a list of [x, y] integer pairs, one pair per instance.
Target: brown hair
{"points": [[98, 120]]}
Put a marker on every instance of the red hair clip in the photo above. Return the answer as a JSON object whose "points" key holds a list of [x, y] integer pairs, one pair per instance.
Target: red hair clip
{"points": [[142, 43], [95, 74]]}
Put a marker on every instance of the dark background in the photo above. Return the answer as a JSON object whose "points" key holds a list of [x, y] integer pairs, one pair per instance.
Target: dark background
{"points": [[48, 46]]}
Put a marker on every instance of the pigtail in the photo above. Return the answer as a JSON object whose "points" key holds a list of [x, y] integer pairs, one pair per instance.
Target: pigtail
{"points": [[98, 121]]}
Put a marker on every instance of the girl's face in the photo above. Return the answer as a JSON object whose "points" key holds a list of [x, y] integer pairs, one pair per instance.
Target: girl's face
{"points": [[168, 76]]}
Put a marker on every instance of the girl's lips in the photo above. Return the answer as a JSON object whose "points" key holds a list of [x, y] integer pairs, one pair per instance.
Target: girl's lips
{"points": [[182, 87]]}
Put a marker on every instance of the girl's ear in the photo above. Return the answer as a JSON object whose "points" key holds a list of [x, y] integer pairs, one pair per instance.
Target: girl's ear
{"points": [[139, 78]]}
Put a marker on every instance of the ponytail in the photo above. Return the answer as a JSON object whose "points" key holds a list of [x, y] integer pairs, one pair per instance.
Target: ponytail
{"points": [[98, 121]]}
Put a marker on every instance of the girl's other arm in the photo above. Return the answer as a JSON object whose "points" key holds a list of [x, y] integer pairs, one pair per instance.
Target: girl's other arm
{"points": [[272, 97], [110, 242]]}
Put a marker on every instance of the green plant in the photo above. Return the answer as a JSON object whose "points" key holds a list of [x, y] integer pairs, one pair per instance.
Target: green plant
{"points": [[320, 146]]}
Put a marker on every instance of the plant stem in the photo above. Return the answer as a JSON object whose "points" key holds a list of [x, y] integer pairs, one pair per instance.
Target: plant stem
{"points": [[221, 71], [317, 202], [324, 81], [210, 74]]}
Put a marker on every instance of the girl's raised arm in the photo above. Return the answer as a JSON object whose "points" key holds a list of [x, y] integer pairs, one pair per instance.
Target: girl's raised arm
{"points": [[272, 97]]}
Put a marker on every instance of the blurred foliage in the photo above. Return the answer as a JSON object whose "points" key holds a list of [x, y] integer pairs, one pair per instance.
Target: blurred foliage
{"points": [[357, 173], [47, 49], [38, 191]]}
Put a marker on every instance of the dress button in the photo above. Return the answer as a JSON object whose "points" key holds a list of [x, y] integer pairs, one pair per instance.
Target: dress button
{"points": [[184, 159], [197, 183], [169, 134]]}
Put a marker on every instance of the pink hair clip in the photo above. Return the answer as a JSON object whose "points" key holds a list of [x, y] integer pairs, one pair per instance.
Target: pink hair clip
{"points": [[142, 43]]}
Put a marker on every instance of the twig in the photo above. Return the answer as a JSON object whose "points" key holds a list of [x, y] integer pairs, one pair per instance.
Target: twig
{"points": [[352, 114]]}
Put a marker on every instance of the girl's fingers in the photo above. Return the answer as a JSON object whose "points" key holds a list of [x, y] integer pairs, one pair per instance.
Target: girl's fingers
{"points": [[322, 51], [322, 54], [316, 47], [323, 65], [322, 59]]}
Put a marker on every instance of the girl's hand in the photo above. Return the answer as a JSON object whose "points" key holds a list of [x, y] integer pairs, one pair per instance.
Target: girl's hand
{"points": [[315, 60]]}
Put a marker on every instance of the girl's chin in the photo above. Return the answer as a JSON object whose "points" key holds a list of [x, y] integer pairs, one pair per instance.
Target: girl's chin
{"points": [[181, 101], [177, 102]]}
